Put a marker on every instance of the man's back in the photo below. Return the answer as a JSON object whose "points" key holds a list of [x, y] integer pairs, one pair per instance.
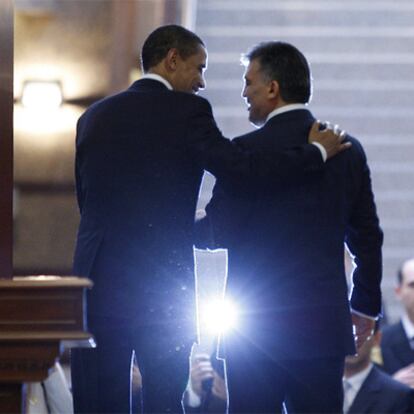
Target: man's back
{"points": [[131, 161], [137, 185], [286, 247]]}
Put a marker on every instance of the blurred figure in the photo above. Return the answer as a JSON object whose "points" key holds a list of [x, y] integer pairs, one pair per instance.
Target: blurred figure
{"points": [[398, 340], [367, 390], [136, 387], [51, 396], [206, 391]]}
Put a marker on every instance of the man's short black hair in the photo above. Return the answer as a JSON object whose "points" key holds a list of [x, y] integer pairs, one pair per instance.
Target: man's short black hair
{"points": [[161, 40], [284, 63], [400, 274]]}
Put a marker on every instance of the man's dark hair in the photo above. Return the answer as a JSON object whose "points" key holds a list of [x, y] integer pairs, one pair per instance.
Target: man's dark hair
{"points": [[161, 40], [400, 271], [284, 63], [400, 274]]}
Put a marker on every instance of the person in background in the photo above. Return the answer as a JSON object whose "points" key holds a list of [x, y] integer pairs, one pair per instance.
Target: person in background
{"points": [[397, 345], [368, 390], [51, 396], [206, 391]]}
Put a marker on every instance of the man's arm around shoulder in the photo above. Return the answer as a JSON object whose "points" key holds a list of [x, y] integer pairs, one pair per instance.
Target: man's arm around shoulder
{"points": [[222, 158]]}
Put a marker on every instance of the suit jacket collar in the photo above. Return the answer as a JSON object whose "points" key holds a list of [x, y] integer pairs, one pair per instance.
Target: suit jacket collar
{"points": [[297, 122], [285, 108], [407, 325], [368, 393], [148, 85], [401, 346]]}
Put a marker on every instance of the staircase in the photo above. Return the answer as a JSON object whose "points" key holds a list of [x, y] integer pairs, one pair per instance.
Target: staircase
{"points": [[362, 58]]}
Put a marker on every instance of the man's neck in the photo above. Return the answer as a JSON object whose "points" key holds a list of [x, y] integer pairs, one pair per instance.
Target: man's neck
{"points": [[407, 323], [157, 76], [351, 370], [410, 316], [280, 109]]}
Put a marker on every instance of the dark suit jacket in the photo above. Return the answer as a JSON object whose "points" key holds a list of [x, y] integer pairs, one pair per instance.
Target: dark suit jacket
{"points": [[382, 394], [140, 157], [286, 248], [395, 348]]}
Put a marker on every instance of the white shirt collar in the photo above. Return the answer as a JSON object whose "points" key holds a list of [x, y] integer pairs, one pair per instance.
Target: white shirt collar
{"points": [[286, 108], [358, 379], [356, 382], [158, 78], [407, 325]]}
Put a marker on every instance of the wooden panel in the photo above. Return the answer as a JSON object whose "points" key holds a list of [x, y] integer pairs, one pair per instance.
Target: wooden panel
{"points": [[27, 362], [52, 310], [45, 231], [36, 315], [6, 137], [45, 304], [11, 398]]}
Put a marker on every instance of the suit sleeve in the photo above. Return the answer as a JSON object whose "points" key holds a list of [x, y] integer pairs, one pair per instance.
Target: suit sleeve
{"points": [[407, 404], [364, 239], [226, 159], [225, 217]]}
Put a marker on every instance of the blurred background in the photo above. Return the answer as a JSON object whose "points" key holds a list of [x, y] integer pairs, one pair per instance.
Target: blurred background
{"points": [[69, 53]]}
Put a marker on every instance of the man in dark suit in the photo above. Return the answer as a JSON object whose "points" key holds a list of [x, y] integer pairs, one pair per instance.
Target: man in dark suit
{"points": [[140, 157], [286, 253], [397, 345], [368, 390]]}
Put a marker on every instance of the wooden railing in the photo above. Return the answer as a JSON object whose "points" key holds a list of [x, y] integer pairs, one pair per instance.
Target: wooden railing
{"points": [[38, 315]]}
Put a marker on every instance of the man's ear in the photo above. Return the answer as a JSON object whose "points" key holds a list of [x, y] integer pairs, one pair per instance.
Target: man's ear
{"points": [[377, 338], [171, 59], [397, 291], [273, 89]]}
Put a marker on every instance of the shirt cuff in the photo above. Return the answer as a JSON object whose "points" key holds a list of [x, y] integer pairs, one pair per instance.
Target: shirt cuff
{"points": [[193, 400], [322, 150], [364, 315]]}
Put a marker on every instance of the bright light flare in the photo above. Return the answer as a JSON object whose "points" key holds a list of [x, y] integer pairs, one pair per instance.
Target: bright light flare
{"points": [[219, 316], [41, 95]]}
